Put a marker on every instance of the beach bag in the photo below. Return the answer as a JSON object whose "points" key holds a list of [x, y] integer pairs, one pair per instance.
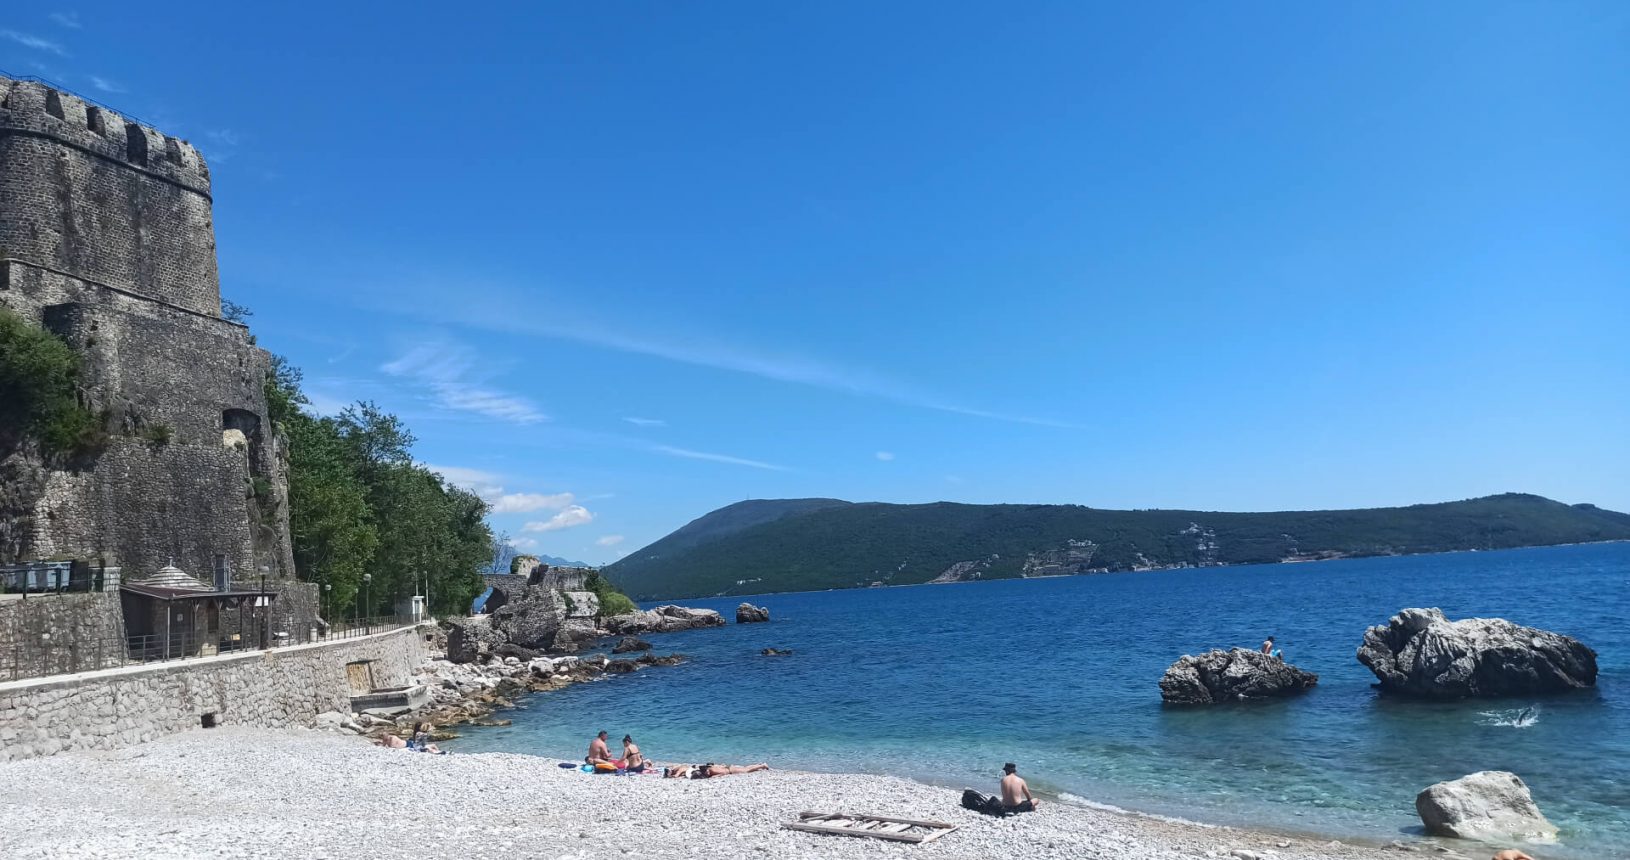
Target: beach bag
{"points": [[982, 803]]}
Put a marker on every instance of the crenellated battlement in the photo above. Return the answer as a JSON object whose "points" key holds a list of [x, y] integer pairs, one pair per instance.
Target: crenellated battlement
{"points": [[33, 108]]}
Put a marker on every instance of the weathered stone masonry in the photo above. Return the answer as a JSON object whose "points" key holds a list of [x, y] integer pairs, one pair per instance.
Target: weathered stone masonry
{"points": [[107, 239], [269, 689]]}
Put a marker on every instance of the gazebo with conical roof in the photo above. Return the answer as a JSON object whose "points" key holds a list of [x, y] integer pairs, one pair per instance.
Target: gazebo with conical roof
{"points": [[171, 614]]}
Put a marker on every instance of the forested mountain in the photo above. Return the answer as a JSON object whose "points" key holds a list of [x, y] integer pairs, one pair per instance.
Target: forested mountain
{"points": [[804, 544]]}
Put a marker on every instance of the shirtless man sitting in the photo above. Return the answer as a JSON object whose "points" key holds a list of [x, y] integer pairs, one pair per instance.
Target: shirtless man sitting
{"points": [[1511, 854], [599, 753], [1015, 793]]}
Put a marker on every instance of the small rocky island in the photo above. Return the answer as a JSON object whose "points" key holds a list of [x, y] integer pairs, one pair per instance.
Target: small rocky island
{"points": [[1419, 652], [1231, 676]]}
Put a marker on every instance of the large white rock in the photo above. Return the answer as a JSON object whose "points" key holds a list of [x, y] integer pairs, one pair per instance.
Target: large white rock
{"points": [[1488, 805]]}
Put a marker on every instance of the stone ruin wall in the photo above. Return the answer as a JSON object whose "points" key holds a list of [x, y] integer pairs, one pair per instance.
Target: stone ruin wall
{"points": [[107, 239], [281, 688]]}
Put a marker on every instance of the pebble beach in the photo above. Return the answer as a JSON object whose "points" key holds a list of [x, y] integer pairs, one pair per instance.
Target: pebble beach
{"points": [[233, 792]]}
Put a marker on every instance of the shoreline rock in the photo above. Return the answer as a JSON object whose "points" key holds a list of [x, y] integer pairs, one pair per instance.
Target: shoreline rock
{"points": [[663, 619], [1231, 676], [1419, 652], [630, 644], [747, 613], [1487, 805]]}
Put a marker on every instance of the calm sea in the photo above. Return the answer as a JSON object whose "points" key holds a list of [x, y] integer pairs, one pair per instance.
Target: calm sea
{"points": [[945, 683]]}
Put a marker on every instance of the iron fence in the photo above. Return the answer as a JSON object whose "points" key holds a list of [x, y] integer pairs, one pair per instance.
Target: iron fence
{"points": [[59, 654]]}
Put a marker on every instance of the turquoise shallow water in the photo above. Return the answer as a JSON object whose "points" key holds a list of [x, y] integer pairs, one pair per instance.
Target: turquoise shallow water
{"points": [[944, 683]]}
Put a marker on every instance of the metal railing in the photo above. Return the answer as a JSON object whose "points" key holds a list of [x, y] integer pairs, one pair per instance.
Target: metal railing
{"points": [[58, 654]]}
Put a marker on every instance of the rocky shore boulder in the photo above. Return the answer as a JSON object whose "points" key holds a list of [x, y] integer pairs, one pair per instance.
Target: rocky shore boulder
{"points": [[663, 619], [630, 644], [747, 613], [531, 617], [1419, 652], [471, 639], [1489, 805], [1229, 676]]}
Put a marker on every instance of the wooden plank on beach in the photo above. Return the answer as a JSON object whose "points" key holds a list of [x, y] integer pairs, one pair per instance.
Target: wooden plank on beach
{"points": [[874, 826]]}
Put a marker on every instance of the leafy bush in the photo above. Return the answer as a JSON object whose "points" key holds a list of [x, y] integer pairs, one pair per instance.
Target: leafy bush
{"points": [[612, 601], [39, 394], [157, 433]]}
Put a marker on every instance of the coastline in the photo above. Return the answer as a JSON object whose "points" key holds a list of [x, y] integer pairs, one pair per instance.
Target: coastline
{"points": [[646, 602], [306, 793]]}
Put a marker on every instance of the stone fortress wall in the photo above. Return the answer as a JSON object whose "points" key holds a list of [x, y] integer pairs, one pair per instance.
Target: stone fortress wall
{"points": [[280, 688], [107, 239]]}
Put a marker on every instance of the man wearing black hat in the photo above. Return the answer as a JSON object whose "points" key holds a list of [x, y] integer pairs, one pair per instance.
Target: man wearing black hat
{"points": [[1015, 794]]}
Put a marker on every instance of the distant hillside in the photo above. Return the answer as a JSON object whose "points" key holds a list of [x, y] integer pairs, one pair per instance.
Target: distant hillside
{"points": [[806, 544], [557, 561]]}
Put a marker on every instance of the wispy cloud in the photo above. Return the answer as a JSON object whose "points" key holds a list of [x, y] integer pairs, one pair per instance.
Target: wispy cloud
{"points": [[524, 543], [66, 19], [490, 488], [885, 456], [525, 503], [572, 517], [451, 374], [35, 42], [498, 312], [324, 405], [223, 136], [106, 85], [608, 540], [716, 458], [646, 422], [484, 484]]}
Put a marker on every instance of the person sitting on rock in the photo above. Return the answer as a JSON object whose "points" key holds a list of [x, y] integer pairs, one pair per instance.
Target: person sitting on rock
{"points": [[1267, 646], [709, 770], [633, 760], [1015, 792], [599, 753]]}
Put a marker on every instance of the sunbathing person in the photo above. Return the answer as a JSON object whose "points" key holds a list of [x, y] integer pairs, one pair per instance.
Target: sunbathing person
{"points": [[421, 740], [633, 760], [709, 770], [599, 753], [392, 742]]}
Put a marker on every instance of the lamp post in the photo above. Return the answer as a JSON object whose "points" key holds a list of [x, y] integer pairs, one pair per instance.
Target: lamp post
{"points": [[367, 595], [328, 597], [265, 612]]}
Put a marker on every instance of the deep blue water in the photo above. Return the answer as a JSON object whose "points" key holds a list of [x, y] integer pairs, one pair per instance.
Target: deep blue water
{"points": [[944, 683]]}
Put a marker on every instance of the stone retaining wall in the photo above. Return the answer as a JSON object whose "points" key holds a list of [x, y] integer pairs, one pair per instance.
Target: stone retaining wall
{"points": [[113, 708]]}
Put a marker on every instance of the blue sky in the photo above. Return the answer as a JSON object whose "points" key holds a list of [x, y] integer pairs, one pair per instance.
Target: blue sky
{"points": [[621, 264]]}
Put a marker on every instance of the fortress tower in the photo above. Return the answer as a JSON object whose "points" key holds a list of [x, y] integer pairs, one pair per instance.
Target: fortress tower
{"points": [[107, 240]]}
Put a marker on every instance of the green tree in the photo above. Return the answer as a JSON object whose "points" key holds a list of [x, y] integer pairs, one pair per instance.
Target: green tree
{"points": [[39, 394]]}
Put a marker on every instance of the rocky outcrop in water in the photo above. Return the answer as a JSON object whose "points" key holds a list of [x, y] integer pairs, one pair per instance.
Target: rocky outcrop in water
{"points": [[1230, 676], [747, 613], [1421, 653], [663, 619], [630, 644], [1489, 805]]}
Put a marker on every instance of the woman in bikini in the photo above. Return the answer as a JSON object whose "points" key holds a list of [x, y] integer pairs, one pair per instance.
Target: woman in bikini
{"points": [[633, 760], [709, 770]]}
